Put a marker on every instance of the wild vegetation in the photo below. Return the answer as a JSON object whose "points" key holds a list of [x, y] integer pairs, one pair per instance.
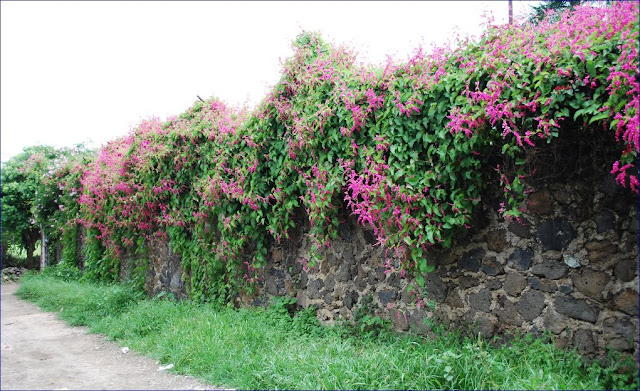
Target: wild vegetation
{"points": [[407, 148], [272, 348], [33, 201]]}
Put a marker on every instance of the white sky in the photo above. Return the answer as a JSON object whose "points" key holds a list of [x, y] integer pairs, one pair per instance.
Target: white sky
{"points": [[88, 71]]}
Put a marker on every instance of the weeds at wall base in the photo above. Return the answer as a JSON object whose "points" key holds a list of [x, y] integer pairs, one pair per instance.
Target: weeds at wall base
{"points": [[270, 348]]}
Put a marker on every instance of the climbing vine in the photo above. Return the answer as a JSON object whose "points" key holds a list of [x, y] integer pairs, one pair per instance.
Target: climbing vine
{"points": [[408, 148]]}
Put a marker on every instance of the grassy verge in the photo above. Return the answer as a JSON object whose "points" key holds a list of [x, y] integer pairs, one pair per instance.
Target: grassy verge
{"points": [[267, 348]]}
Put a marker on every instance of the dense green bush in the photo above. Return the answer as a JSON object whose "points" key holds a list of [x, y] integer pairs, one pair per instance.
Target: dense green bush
{"points": [[63, 270]]}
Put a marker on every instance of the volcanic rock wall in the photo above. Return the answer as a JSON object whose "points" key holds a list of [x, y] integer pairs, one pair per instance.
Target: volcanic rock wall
{"points": [[570, 267]]}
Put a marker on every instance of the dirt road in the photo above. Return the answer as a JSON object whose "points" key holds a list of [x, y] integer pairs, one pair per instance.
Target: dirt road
{"points": [[42, 352]]}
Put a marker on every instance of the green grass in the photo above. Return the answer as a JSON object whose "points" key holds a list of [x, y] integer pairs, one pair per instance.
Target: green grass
{"points": [[266, 348]]}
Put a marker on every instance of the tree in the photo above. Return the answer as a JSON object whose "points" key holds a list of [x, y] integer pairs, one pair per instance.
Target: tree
{"points": [[538, 12], [21, 181]]}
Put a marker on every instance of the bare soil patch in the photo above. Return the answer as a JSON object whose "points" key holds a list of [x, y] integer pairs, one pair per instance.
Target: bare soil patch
{"points": [[40, 351]]}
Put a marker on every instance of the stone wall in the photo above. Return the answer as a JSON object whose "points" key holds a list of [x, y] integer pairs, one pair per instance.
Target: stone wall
{"points": [[163, 266], [164, 271], [570, 267]]}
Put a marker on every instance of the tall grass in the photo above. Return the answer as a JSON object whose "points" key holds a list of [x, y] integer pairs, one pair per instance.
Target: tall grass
{"points": [[267, 348]]}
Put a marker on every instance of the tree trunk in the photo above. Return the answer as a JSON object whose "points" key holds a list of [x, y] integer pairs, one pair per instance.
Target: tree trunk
{"points": [[31, 248], [44, 247], [29, 240]]}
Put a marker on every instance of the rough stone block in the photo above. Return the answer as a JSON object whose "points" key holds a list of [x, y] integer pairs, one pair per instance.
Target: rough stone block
{"points": [[609, 186], [627, 301], [618, 333], [445, 257], [453, 300], [561, 194], [276, 255], [552, 270], [296, 268], [386, 297], [531, 305], [542, 285], [362, 273], [566, 289], [314, 288], [176, 283], [399, 319], [466, 282], [600, 250], [346, 231], [590, 283], [584, 341], [351, 298], [521, 259], [497, 240], [417, 321], [333, 260], [485, 326], [626, 270], [522, 230], [324, 267], [576, 309], [491, 267], [553, 255], [540, 202], [634, 225], [393, 279], [289, 287], [380, 273], [348, 254], [571, 261], [555, 234], [481, 301], [493, 284], [329, 283], [605, 221], [471, 259], [435, 287], [554, 322], [273, 286], [344, 273], [507, 313], [514, 283]]}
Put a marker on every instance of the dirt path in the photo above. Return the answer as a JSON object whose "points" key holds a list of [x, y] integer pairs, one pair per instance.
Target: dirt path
{"points": [[42, 352]]}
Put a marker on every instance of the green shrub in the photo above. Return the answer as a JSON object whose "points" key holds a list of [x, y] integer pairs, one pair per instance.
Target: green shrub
{"points": [[64, 271]]}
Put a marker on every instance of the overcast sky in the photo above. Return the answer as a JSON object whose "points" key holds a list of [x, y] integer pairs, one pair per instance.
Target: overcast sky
{"points": [[89, 71]]}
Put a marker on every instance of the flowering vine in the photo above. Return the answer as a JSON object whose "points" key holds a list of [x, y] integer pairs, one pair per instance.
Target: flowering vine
{"points": [[406, 147]]}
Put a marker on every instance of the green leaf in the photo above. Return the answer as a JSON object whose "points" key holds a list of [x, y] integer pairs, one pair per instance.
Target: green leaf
{"points": [[599, 117], [591, 67], [420, 281], [564, 112], [579, 113]]}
